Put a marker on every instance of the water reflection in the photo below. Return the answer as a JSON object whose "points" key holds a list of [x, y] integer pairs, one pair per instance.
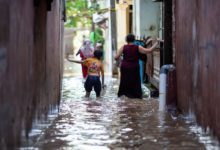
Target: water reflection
{"points": [[117, 123]]}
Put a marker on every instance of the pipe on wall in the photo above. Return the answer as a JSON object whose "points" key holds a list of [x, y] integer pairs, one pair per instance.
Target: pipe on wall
{"points": [[165, 69]]}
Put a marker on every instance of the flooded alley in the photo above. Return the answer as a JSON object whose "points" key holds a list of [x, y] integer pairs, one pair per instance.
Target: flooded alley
{"points": [[112, 123], [166, 51]]}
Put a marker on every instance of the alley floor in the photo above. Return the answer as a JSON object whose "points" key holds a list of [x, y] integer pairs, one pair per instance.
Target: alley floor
{"points": [[112, 123]]}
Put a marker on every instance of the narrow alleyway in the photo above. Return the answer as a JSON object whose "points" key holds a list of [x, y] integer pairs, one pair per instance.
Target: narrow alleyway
{"points": [[114, 123], [40, 109]]}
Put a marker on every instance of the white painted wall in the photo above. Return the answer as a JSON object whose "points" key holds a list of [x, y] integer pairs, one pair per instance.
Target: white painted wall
{"points": [[146, 18], [108, 47], [108, 40]]}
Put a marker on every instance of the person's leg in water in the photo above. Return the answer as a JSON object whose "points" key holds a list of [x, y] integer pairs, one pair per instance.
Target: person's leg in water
{"points": [[87, 94], [97, 87], [88, 86]]}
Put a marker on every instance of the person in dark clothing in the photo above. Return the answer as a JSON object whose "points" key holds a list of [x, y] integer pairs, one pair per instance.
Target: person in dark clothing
{"points": [[130, 83]]}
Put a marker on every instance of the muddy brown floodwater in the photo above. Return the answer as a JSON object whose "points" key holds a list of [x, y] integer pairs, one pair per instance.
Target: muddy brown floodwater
{"points": [[112, 123]]}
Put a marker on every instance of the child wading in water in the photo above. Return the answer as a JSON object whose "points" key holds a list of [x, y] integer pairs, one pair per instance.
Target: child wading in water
{"points": [[95, 66]]}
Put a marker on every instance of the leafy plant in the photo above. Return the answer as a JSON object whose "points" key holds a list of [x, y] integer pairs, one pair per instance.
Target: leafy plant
{"points": [[79, 14]]}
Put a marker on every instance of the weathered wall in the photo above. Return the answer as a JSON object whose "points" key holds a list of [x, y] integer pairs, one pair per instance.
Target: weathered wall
{"points": [[197, 44], [122, 11], [147, 21], [146, 16], [30, 64], [69, 47]]}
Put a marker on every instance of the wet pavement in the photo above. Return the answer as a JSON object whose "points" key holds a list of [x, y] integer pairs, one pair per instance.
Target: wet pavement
{"points": [[112, 123]]}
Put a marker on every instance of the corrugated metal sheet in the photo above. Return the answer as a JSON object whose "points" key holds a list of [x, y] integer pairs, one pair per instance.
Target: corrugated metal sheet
{"points": [[197, 44], [30, 65]]}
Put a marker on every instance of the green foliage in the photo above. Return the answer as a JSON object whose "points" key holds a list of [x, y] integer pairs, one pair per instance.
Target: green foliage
{"points": [[97, 36], [79, 14]]}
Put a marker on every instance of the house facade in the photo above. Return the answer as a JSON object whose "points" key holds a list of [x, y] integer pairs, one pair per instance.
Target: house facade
{"points": [[147, 21]]}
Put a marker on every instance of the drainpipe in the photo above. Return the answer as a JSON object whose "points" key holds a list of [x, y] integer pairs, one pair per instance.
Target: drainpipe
{"points": [[165, 69]]}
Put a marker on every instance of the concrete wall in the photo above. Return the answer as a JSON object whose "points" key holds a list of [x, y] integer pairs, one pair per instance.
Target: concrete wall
{"points": [[30, 64], [122, 11], [108, 47], [146, 18], [69, 34], [123, 21], [197, 44]]}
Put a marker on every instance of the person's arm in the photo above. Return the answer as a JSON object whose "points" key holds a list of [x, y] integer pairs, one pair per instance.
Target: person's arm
{"points": [[149, 41], [103, 75], [119, 53], [78, 52], [160, 40], [148, 50], [75, 61]]}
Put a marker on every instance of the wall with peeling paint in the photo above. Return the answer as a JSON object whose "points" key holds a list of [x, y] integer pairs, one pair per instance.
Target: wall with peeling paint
{"points": [[197, 44], [30, 64]]}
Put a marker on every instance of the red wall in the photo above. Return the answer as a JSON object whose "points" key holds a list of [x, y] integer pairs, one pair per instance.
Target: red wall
{"points": [[30, 64]]}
